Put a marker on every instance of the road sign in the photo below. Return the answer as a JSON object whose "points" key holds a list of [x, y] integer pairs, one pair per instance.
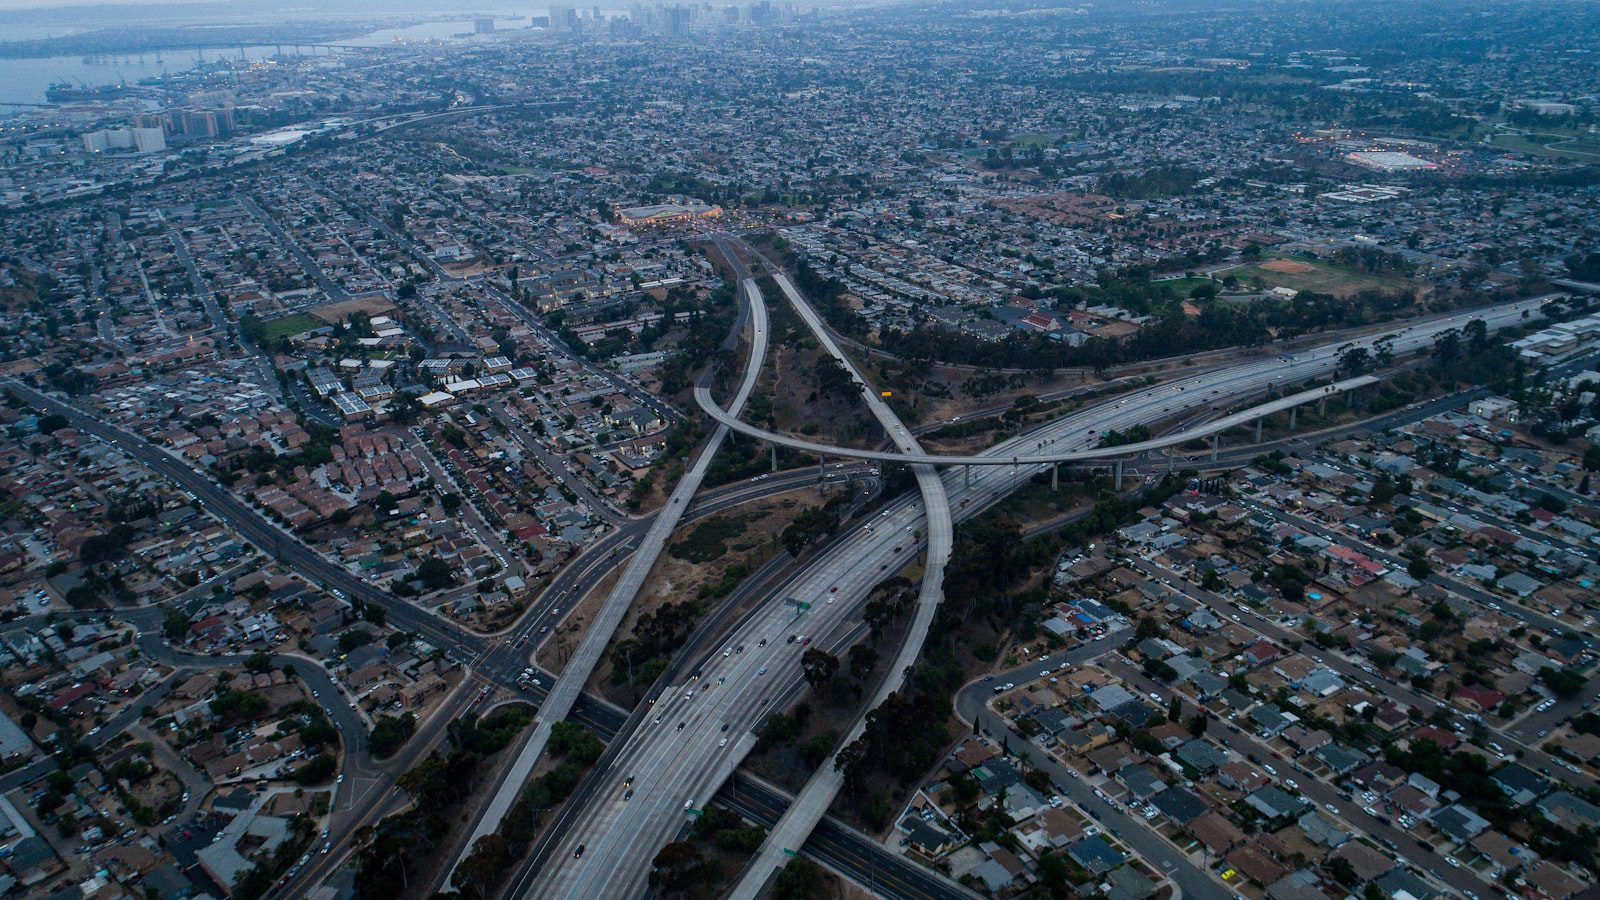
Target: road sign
{"points": [[695, 812], [789, 853], [886, 393]]}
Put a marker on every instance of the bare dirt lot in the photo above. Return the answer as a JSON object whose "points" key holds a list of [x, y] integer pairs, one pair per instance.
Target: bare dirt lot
{"points": [[698, 557]]}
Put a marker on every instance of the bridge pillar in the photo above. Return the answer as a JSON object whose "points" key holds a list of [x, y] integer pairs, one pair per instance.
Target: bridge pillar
{"points": [[822, 468], [1322, 405], [1258, 431], [968, 471], [1215, 439], [774, 449], [1118, 485], [1294, 415]]}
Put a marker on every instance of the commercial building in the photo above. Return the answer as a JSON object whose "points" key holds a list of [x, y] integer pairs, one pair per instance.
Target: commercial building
{"points": [[662, 213], [1389, 161], [143, 140]]}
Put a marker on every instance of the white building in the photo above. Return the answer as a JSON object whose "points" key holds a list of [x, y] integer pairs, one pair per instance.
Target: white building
{"points": [[144, 140]]}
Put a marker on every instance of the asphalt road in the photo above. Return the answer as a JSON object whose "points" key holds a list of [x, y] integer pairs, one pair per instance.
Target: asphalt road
{"points": [[669, 763], [813, 801], [604, 623]]}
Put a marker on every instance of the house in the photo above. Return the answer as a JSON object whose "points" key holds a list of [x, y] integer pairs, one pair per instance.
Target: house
{"points": [[1276, 804], [1520, 783], [1256, 864], [1140, 780], [1180, 804], [1202, 755], [1569, 810], [1053, 829], [1300, 884], [1270, 721], [926, 839], [1127, 883], [1552, 881], [1399, 884], [1459, 822], [1260, 653], [1478, 698], [1340, 759], [14, 742], [1217, 833], [32, 860], [1322, 831], [1368, 862], [1519, 583], [1096, 854], [1242, 776], [1307, 739]]}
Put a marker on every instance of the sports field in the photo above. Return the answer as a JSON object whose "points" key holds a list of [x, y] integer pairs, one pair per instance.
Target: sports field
{"points": [[299, 323], [1311, 275]]}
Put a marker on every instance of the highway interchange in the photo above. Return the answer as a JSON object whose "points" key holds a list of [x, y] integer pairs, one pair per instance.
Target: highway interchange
{"points": [[758, 667], [699, 729]]}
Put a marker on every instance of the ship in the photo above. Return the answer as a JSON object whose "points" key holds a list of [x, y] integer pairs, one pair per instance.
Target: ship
{"points": [[62, 92]]}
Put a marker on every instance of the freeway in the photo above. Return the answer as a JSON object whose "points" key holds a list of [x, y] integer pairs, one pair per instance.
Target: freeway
{"points": [[1197, 432], [813, 801], [1213, 387], [597, 636], [662, 771]]}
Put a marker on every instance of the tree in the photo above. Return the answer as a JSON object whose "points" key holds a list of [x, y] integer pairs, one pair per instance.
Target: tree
{"points": [[316, 770], [1447, 347], [800, 879], [355, 637], [476, 875], [1563, 682], [678, 868], [1383, 353], [1417, 567], [819, 666], [574, 740], [1477, 334], [259, 662], [230, 705], [390, 733], [435, 574], [1354, 361], [174, 624]]}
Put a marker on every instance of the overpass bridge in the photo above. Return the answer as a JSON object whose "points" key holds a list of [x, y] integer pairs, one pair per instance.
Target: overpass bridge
{"points": [[1052, 458]]}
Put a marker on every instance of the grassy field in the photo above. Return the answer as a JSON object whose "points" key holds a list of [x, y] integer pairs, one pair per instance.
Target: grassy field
{"points": [[1311, 275], [1563, 146], [214, 204], [294, 324], [1034, 139], [517, 170], [1180, 287]]}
